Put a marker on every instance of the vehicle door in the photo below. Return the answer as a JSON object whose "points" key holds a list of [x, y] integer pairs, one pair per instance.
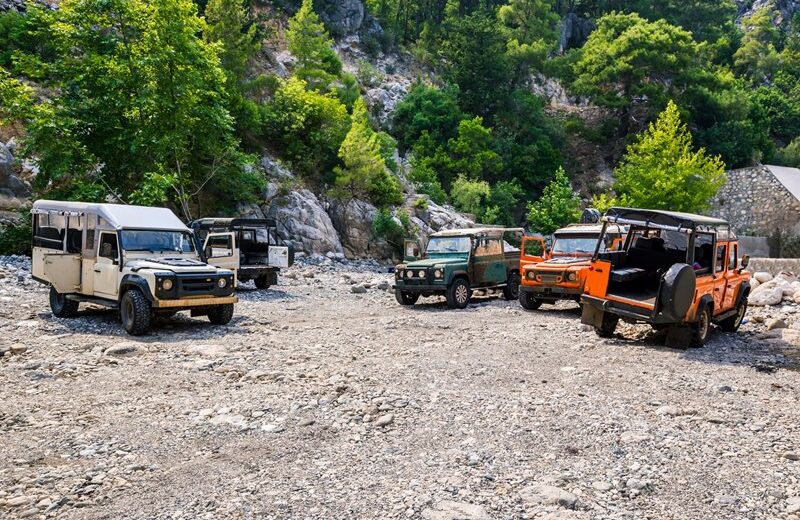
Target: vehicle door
{"points": [[489, 267], [720, 277], [106, 272], [733, 277], [221, 250], [534, 250], [57, 250]]}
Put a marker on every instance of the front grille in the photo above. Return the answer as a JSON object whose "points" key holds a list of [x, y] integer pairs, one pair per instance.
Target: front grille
{"points": [[549, 278], [196, 284]]}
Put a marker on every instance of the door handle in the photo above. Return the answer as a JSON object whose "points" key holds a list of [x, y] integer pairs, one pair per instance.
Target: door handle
{"points": [[97, 271]]}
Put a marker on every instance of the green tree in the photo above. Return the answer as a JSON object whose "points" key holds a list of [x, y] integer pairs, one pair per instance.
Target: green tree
{"points": [[309, 42], [470, 195], [531, 29], [503, 200], [757, 56], [306, 128], [557, 207], [427, 109], [16, 100], [475, 57], [661, 170], [364, 173], [628, 56], [471, 151]]}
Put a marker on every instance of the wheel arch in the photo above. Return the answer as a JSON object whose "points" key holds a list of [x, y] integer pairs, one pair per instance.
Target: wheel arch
{"points": [[134, 280]]}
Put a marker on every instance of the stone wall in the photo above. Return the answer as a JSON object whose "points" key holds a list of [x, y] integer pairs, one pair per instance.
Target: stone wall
{"points": [[774, 266], [756, 203]]}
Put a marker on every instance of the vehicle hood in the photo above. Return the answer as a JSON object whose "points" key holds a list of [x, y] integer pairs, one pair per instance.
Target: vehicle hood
{"points": [[561, 261], [174, 264], [430, 262]]}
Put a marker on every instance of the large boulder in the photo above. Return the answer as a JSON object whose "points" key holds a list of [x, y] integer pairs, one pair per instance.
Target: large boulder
{"points": [[383, 100], [766, 294], [353, 220], [575, 30], [341, 16], [13, 190], [302, 221]]}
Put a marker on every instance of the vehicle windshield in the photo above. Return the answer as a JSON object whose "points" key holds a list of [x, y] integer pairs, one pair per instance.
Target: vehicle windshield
{"points": [[157, 241], [449, 245], [570, 245]]}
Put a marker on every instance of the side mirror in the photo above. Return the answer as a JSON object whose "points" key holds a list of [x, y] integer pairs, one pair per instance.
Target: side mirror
{"points": [[745, 261]]}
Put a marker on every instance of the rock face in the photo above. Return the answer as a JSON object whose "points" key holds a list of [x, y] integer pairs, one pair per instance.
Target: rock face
{"points": [[353, 221], [383, 100], [341, 16], [303, 222], [574, 32], [435, 217], [13, 190], [785, 8]]}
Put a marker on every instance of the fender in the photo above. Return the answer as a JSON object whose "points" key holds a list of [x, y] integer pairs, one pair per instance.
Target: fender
{"points": [[456, 274], [744, 292], [706, 299], [134, 280]]}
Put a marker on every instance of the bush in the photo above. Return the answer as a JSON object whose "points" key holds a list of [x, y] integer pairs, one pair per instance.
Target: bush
{"points": [[394, 229], [16, 239], [367, 74]]}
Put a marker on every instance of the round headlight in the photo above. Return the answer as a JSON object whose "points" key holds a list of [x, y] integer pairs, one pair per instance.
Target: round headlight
{"points": [[438, 273], [531, 275], [421, 274], [166, 284], [409, 274], [572, 277], [222, 282]]}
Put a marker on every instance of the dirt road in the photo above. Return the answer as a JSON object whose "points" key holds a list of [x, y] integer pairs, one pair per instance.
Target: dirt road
{"points": [[318, 402]]}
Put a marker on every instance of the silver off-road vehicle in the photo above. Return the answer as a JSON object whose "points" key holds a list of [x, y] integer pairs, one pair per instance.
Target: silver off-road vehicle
{"points": [[140, 260]]}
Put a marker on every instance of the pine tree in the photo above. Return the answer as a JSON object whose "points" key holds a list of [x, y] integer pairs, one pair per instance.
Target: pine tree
{"points": [[364, 174], [309, 42], [661, 171], [229, 25], [557, 207]]}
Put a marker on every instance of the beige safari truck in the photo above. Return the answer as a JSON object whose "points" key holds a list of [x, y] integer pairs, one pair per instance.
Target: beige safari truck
{"points": [[250, 247], [140, 260]]}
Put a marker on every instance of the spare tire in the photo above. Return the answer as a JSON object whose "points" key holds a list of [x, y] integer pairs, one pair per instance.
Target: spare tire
{"points": [[677, 291]]}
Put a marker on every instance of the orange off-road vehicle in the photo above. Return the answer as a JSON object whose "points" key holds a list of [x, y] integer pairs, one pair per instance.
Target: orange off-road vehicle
{"points": [[675, 270], [562, 275]]}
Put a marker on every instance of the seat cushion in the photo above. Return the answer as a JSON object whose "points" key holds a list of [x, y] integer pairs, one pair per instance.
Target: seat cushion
{"points": [[627, 274]]}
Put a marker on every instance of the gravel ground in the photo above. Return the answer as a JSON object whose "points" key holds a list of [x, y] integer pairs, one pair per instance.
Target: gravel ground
{"points": [[326, 399]]}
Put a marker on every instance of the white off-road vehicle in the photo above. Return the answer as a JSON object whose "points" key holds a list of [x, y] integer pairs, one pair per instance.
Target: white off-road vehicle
{"points": [[140, 260]]}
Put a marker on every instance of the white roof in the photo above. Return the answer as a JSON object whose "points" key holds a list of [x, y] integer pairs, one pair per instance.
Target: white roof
{"points": [[120, 216], [789, 177]]}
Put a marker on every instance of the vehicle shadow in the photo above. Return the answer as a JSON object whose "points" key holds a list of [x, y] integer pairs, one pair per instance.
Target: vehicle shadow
{"points": [[254, 294], [105, 322]]}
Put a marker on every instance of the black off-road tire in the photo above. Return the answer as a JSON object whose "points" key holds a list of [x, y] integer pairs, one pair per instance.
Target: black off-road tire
{"points": [[262, 282], [221, 314], [458, 294], [732, 324], [135, 312], [61, 306], [511, 289], [528, 301], [608, 325], [405, 298], [701, 329]]}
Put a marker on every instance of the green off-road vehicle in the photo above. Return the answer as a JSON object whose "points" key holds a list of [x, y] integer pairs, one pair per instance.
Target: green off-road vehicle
{"points": [[458, 261]]}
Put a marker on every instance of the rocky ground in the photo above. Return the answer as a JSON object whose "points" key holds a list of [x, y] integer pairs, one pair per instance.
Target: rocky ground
{"points": [[326, 399]]}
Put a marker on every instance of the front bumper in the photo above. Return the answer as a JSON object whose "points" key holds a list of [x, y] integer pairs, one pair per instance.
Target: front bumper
{"points": [[420, 288], [189, 303], [550, 292]]}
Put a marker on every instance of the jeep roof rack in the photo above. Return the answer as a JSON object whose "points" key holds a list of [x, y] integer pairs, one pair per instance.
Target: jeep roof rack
{"points": [[230, 223], [664, 219]]}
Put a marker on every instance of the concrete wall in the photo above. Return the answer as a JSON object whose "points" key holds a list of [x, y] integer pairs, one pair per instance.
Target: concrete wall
{"points": [[755, 202], [756, 247], [774, 265]]}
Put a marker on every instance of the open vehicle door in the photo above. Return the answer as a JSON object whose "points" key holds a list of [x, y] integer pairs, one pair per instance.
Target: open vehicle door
{"points": [[534, 250], [221, 250], [411, 250], [278, 256]]}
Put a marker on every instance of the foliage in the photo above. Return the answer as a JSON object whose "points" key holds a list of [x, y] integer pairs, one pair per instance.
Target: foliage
{"points": [[427, 109], [661, 171], [364, 173], [470, 196], [557, 207], [16, 239], [503, 200], [16, 100], [126, 105], [367, 74], [790, 155], [309, 42], [306, 127], [628, 56], [471, 153], [475, 56], [758, 56], [393, 229]]}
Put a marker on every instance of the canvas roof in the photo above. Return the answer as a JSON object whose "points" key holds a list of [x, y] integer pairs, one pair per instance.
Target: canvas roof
{"points": [[120, 216], [496, 231]]}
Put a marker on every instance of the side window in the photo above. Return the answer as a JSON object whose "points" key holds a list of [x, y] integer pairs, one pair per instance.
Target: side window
{"points": [[488, 247], [219, 246], [534, 247], [48, 231], [108, 246], [719, 265], [733, 254]]}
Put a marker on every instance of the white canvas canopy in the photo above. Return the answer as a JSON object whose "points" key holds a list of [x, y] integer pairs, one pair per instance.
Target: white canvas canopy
{"points": [[119, 216]]}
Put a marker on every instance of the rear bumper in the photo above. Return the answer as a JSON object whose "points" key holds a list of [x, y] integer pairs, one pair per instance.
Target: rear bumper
{"points": [[594, 307], [188, 303]]}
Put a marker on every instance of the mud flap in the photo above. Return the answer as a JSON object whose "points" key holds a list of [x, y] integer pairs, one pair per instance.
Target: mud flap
{"points": [[591, 316], [678, 336]]}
